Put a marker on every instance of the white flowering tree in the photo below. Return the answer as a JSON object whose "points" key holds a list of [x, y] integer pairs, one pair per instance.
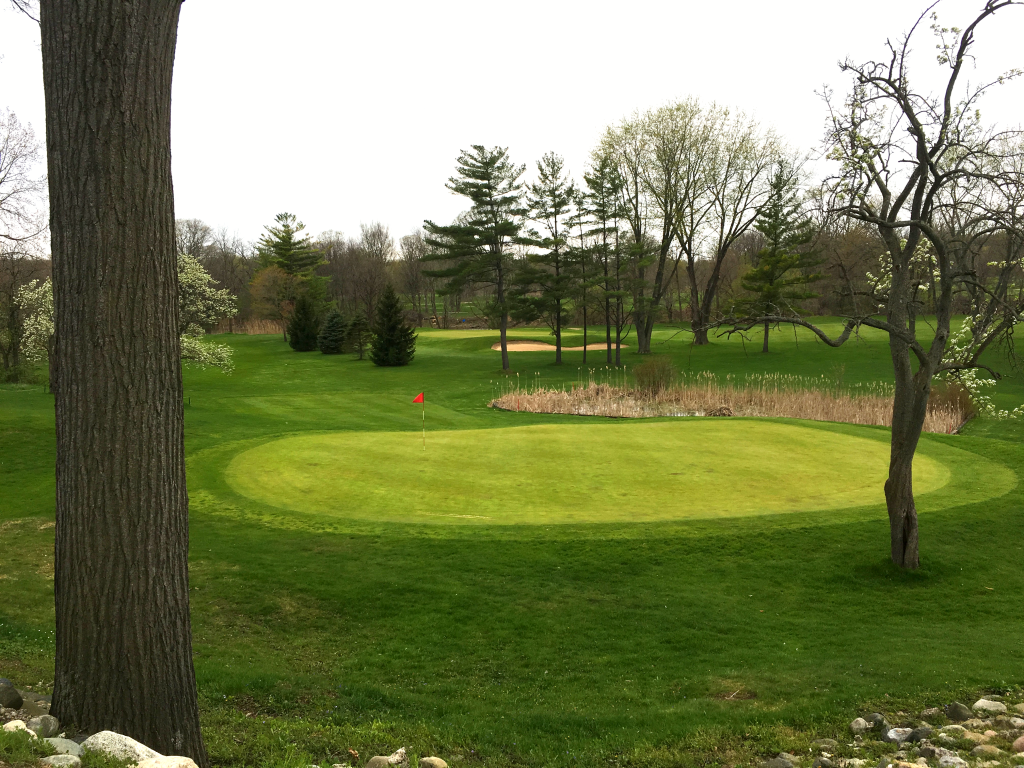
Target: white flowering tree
{"points": [[200, 304]]}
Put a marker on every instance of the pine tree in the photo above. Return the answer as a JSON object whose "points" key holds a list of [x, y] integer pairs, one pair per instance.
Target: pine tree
{"points": [[478, 245], [546, 283], [358, 334], [331, 340], [303, 326], [786, 262], [282, 246], [393, 342]]}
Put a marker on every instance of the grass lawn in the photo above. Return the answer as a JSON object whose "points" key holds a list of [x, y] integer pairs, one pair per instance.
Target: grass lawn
{"points": [[548, 590]]}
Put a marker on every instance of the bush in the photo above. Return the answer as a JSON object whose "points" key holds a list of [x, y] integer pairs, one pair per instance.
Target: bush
{"points": [[358, 334], [394, 342], [331, 340], [654, 375], [303, 327]]}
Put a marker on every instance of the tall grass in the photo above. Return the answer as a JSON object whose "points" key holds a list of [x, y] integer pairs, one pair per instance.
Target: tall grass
{"points": [[252, 327], [653, 393]]}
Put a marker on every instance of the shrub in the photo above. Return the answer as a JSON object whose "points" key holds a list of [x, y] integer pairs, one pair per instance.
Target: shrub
{"points": [[394, 342], [358, 334], [654, 375], [331, 340], [303, 327]]}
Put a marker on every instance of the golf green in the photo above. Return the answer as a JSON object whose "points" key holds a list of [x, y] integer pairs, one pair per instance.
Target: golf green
{"points": [[692, 468]]}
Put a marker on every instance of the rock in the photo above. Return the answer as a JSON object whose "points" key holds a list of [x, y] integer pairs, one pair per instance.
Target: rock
{"points": [[44, 726], [977, 738], [897, 735], [787, 756], [121, 747], [1018, 745], [1019, 708], [927, 750], [1016, 722], [62, 761], [821, 762], [986, 750], [954, 729], [952, 761], [975, 724], [931, 715], [9, 696], [860, 726], [987, 705], [777, 762], [17, 725], [853, 762], [957, 712], [398, 758], [173, 761], [921, 761], [826, 743], [919, 734], [379, 761], [879, 724], [66, 747], [885, 761], [432, 762]]}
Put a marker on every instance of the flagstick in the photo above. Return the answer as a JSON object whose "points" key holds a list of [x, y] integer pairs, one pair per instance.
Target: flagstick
{"points": [[424, 404]]}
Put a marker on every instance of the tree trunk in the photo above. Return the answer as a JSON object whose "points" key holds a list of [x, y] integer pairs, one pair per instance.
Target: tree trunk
{"points": [[558, 332], [123, 637], [764, 347], [910, 405]]}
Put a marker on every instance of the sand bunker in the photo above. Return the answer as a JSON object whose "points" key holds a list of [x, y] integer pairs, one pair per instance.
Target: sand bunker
{"points": [[543, 346]]}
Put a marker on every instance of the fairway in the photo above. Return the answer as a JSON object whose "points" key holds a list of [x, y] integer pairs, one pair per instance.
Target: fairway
{"points": [[565, 473]]}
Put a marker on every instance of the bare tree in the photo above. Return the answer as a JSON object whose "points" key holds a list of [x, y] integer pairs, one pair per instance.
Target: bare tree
{"points": [[935, 183], [192, 236], [123, 636], [22, 192], [416, 286]]}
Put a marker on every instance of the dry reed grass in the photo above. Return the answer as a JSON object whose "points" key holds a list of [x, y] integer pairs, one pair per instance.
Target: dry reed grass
{"points": [[766, 395], [252, 327]]}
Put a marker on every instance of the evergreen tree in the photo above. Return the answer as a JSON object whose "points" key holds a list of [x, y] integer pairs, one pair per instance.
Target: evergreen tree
{"points": [[331, 340], [393, 342], [478, 245], [785, 263], [303, 326], [545, 285], [284, 247], [603, 205], [358, 334]]}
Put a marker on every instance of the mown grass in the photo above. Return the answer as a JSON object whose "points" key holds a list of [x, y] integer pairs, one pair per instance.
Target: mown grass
{"points": [[542, 644]]}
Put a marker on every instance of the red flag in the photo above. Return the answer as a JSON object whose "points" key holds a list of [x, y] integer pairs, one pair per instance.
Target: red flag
{"points": [[418, 398]]}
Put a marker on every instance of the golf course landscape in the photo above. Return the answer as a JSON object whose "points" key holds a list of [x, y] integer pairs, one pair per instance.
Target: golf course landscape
{"points": [[524, 589]]}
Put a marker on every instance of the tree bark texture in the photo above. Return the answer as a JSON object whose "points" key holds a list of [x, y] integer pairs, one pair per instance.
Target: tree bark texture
{"points": [[123, 636]]}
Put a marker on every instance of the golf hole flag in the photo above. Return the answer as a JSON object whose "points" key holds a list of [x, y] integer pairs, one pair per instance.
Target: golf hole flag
{"points": [[419, 399]]}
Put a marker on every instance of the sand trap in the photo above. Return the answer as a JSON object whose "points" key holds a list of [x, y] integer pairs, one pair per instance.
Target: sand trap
{"points": [[543, 346]]}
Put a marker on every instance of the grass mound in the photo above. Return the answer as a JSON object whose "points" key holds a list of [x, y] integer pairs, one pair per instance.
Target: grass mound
{"points": [[568, 473]]}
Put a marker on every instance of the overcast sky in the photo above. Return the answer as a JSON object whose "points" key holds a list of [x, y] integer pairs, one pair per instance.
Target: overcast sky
{"points": [[348, 113]]}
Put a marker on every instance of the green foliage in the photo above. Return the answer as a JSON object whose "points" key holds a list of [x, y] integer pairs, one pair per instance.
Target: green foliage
{"points": [[786, 262], [392, 341], [331, 339], [358, 334], [18, 748], [282, 246], [303, 326]]}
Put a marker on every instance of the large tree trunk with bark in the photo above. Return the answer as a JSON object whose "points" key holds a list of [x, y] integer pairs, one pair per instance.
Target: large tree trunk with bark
{"points": [[123, 637]]}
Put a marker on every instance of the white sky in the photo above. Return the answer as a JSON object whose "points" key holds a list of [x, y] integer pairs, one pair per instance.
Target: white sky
{"points": [[345, 113]]}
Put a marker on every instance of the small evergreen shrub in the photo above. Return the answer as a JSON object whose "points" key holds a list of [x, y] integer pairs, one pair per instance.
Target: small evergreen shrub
{"points": [[331, 340], [394, 342], [653, 375], [303, 327], [358, 334]]}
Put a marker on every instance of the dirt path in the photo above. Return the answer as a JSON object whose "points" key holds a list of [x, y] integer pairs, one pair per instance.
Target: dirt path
{"points": [[543, 346]]}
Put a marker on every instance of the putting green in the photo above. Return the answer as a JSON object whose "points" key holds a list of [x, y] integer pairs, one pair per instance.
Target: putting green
{"points": [[571, 473]]}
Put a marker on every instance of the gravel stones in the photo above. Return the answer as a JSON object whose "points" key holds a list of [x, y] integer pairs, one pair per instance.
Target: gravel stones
{"points": [[897, 735], [952, 761], [1018, 745], [121, 747], [986, 750], [9, 696], [174, 761], [958, 712], [777, 762], [860, 726], [62, 761], [432, 762], [66, 747], [821, 762], [44, 726], [986, 705]]}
